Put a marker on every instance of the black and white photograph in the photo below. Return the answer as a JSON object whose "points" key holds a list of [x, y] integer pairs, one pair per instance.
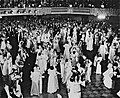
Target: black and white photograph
{"points": [[59, 48]]}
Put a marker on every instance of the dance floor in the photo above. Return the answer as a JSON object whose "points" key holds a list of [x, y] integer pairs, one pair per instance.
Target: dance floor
{"points": [[95, 89]]}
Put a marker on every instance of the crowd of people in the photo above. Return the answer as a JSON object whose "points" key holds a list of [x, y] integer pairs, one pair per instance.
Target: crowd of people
{"points": [[59, 3], [60, 48]]}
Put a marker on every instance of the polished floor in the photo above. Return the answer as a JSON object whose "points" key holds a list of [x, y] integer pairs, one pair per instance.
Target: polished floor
{"points": [[95, 89]]}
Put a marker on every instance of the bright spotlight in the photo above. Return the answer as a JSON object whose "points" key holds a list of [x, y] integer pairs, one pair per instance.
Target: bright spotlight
{"points": [[102, 6], [70, 5], [101, 17]]}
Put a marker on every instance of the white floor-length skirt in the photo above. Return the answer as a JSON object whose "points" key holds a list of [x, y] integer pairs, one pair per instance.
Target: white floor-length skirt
{"points": [[52, 82], [98, 68]]}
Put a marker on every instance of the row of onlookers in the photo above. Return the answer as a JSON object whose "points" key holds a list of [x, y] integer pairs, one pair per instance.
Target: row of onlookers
{"points": [[60, 3]]}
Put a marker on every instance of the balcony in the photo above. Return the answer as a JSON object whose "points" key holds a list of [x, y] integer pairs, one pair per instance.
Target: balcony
{"points": [[58, 10]]}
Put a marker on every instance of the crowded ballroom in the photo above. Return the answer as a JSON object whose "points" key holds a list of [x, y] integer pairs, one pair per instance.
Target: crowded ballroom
{"points": [[59, 49]]}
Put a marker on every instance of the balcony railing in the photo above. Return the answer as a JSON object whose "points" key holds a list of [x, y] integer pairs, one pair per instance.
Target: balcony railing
{"points": [[58, 10]]}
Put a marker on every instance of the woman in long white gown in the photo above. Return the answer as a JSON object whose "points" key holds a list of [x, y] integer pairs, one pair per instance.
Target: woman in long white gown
{"points": [[67, 50], [90, 42], [35, 80], [41, 61], [44, 60], [3, 44], [111, 53], [56, 44], [52, 80], [74, 35], [40, 80], [98, 65], [7, 69], [67, 71], [107, 76], [88, 70], [74, 88], [62, 66], [103, 50]]}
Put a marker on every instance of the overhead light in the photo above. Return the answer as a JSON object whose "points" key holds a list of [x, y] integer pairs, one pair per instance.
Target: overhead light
{"points": [[0, 17], [90, 5], [93, 5], [39, 6], [80, 5], [70, 5], [101, 17], [33, 5], [102, 6]]}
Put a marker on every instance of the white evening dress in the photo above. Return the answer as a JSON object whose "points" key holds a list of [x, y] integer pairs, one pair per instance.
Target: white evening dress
{"points": [[88, 72], [90, 43], [98, 67], [52, 81], [62, 67], [107, 76], [74, 90], [111, 53], [67, 72], [103, 50], [35, 79], [3, 45], [66, 51]]}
